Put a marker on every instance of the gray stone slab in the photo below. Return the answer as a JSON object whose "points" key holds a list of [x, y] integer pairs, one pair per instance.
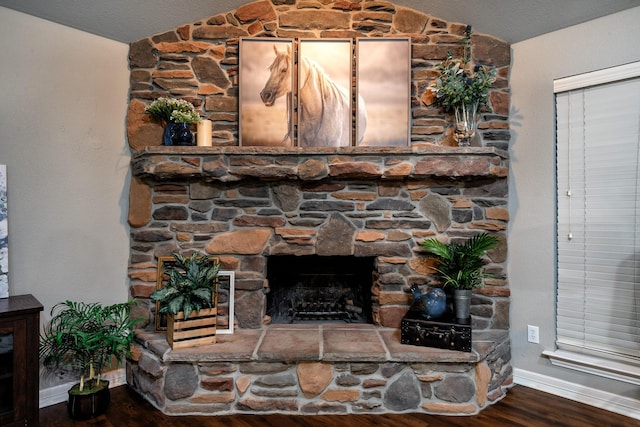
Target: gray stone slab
{"points": [[352, 343], [293, 343], [236, 347]]}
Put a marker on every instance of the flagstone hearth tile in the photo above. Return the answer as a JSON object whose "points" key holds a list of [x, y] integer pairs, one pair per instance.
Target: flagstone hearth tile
{"points": [[238, 346], [358, 342], [290, 343], [154, 341], [413, 353]]}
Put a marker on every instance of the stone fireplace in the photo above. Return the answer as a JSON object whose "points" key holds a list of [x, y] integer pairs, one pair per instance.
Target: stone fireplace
{"points": [[369, 206], [251, 206]]}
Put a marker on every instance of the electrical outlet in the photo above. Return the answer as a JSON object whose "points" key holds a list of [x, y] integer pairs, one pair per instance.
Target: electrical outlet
{"points": [[533, 334]]}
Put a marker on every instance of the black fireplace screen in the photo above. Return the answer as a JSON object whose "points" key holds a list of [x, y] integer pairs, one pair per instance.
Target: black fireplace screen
{"points": [[319, 289]]}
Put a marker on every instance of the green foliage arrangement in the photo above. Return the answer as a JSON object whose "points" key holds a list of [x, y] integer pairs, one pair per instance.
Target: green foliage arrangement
{"points": [[461, 82], [190, 286], [173, 110], [460, 265], [86, 336]]}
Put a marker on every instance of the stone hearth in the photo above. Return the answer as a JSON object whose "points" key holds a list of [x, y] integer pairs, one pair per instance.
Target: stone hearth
{"points": [[315, 369]]}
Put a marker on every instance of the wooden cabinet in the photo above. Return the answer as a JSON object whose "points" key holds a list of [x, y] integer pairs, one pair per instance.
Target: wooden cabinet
{"points": [[19, 337]]}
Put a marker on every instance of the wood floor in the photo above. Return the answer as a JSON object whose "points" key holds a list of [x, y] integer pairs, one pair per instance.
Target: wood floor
{"points": [[522, 406]]}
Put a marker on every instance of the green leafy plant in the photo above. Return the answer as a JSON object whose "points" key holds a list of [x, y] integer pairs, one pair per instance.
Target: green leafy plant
{"points": [[461, 265], [173, 110], [190, 286], [86, 336], [461, 82]]}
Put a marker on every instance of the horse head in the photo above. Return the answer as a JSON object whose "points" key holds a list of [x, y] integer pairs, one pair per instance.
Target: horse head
{"points": [[279, 82]]}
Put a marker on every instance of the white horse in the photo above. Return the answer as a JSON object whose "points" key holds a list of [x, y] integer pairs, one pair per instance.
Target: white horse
{"points": [[324, 113]]}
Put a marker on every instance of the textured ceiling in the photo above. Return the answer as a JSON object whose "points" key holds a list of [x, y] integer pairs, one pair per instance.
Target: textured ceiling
{"points": [[131, 20]]}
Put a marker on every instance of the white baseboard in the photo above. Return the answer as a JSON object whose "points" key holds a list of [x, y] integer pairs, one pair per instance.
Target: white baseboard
{"points": [[590, 396], [58, 394]]}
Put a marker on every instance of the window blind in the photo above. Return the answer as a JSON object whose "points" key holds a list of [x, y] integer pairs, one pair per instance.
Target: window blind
{"points": [[598, 216]]}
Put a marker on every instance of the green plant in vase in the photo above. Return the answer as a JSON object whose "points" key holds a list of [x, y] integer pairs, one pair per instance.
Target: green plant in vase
{"points": [[177, 115], [87, 337], [460, 266], [462, 88], [190, 286]]}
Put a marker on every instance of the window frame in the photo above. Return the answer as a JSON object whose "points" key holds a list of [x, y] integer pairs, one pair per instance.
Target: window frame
{"points": [[612, 366]]}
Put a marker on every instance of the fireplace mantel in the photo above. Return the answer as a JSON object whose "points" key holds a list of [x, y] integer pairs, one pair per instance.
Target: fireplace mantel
{"points": [[231, 164]]}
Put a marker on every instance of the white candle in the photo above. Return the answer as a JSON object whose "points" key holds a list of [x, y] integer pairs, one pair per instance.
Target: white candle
{"points": [[204, 133]]}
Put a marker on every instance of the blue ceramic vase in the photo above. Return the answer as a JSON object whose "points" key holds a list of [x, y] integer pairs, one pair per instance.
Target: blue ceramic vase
{"points": [[177, 134], [432, 304]]}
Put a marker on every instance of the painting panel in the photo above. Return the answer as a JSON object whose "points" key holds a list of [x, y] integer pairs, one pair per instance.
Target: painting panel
{"points": [[325, 70], [266, 82], [4, 235], [383, 81]]}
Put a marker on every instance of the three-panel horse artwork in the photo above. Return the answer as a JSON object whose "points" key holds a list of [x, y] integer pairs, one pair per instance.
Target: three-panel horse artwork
{"points": [[308, 102]]}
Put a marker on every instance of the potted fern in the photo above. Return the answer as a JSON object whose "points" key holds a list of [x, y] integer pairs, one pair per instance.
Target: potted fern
{"points": [[87, 337], [188, 297], [460, 265]]}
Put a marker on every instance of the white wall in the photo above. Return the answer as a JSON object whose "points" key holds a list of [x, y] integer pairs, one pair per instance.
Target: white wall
{"points": [[597, 44], [63, 101]]}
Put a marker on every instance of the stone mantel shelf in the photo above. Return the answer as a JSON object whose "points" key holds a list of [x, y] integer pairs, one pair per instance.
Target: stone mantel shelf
{"points": [[230, 164]]}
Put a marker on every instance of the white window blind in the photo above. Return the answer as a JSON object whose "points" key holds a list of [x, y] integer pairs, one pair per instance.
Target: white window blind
{"points": [[598, 216]]}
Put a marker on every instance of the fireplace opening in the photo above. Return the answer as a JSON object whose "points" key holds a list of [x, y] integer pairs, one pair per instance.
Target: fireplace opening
{"points": [[319, 289]]}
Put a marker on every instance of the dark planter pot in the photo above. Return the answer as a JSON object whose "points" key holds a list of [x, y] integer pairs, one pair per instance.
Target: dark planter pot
{"points": [[86, 406]]}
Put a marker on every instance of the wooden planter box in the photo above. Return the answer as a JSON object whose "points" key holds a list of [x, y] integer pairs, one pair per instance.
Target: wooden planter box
{"points": [[198, 330]]}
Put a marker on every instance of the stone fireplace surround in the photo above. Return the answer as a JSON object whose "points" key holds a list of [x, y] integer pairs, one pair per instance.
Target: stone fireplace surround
{"points": [[244, 204]]}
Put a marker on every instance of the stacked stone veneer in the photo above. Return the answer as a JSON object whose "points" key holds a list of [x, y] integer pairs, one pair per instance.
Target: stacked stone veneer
{"points": [[199, 62], [243, 204]]}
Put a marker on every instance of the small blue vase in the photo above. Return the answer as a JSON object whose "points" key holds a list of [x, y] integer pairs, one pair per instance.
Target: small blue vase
{"points": [[182, 134], [169, 132], [431, 305], [177, 134]]}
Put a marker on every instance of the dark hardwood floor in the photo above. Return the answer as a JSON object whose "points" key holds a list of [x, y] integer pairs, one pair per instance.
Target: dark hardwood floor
{"points": [[522, 406]]}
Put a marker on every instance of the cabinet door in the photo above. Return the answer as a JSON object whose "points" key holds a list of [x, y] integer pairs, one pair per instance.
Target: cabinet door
{"points": [[13, 357]]}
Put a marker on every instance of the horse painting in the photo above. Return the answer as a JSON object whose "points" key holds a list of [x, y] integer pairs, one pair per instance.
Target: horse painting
{"points": [[324, 107]]}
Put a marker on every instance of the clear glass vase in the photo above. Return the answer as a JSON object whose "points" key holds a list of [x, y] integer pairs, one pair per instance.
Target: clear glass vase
{"points": [[465, 123]]}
